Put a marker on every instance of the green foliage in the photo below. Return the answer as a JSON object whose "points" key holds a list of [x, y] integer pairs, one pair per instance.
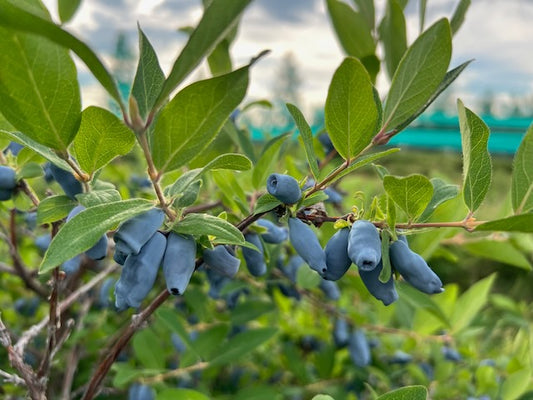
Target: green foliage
{"points": [[190, 121], [411, 193], [101, 137], [84, 230], [268, 337], [421, 70], [351, 111], [477, 169]]}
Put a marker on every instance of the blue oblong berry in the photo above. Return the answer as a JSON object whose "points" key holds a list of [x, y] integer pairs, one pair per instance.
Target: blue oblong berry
{"points": [[306, 244], [70, 185], [71, 266], [333, 196], [121, 252], [386, 292], [179, 262], [330, 289], [136, 231], [99, 250], [275, 234], [8, 179], [42, 242], [325, 141], [337, 260], [341, 332], [140, 392], [6, 194], [413, 268], [284, 188], [216, 281], [14, 148], [223, 260], [255, 260], [364, 245], [359, 348], [139, 273]]}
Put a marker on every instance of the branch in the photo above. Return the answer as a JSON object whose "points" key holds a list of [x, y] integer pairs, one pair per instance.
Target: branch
{"points": [[20, 269], [33, 331], [12, 378], [35, 386], [103, 367]]}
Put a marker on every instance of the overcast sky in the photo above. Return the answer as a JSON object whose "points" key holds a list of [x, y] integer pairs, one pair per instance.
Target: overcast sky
{"points": [[498, 34]]}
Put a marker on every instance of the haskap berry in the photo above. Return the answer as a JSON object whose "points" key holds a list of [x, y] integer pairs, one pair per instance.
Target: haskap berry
{"points": [[337, 260], [359, 349], [306, 244], [275, 234], [8, 182], [386, 292], [132, 234], [179, 262], [70, 185], [364, 245], [139, 273], [255, 260], [413, 268], [284, 188], [222, 259]]}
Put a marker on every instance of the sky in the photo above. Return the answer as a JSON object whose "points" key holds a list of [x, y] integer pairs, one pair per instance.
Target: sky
{"points": [[497, 34]]}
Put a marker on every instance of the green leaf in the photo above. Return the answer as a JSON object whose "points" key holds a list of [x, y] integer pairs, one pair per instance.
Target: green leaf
{"points": [[422, 301], [351, 112], [316, 197], [365, 160], [477, 166], [241, 344], [54, 208], [205, 224], [522, 181], [366, 8], [352, 29], [442, 192], [406, 393], [265, 203], [230, 161], [219, 18], [29, 170], [101, 137], [97, 197], [39, 91], [37, 147], [421, 70], [307, 137], [250, 310], [450, 76], [386, 271], [459, 15], [306, 278], [149, 77], [516, 223], [497, 250], [185, 394], [393, 35], [220, 59], [516, 384], [411, 193], [322, 397], [148, 350], [209, 341], [87, 227], [189, 195], [12, 16], [264, 165], [191, 120], [470, 303], [67, 9]]}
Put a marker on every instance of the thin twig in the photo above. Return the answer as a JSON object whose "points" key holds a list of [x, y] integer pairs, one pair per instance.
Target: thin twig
{"points": [[28, 192], [12, 378], [33, 331], [176, 372], [21, 270]]}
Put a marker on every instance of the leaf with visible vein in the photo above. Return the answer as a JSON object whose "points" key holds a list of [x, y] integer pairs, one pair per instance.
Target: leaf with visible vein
{"points": [[477, 166], [522, 183]]}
